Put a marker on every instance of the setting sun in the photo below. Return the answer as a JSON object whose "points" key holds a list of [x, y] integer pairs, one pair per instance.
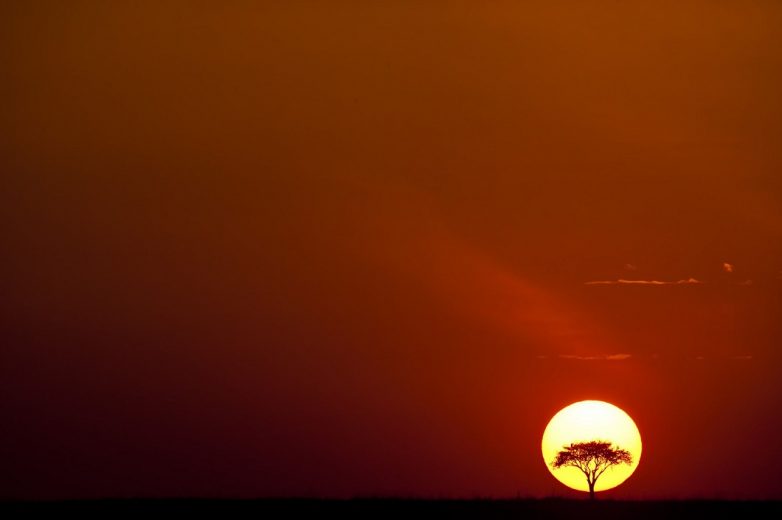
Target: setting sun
{"points": [[587, 421]]}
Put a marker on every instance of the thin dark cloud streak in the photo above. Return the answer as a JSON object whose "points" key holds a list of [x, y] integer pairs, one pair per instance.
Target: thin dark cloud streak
{"points": [[622, 281], [602, 357]]}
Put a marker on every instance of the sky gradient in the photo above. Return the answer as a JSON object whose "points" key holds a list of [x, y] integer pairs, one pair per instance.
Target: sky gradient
{"points": [[371, 248]]}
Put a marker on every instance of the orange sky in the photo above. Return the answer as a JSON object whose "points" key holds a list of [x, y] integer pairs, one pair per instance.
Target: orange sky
{"points": [[290, 248]]}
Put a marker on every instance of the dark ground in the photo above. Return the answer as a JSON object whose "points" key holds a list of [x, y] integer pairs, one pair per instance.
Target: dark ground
{"points": [[404, 508]]}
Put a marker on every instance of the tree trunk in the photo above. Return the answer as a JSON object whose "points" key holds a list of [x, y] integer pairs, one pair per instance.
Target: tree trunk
{"points": [[591, 491]]}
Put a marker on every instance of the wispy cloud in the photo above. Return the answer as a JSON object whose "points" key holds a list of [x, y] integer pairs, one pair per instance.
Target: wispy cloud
{"points": [[742, 357], [622, 281], [655, 356], [601, 357]]}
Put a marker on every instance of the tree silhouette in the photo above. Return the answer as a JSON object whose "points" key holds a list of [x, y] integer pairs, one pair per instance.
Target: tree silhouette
{"points": [[592, 458]]}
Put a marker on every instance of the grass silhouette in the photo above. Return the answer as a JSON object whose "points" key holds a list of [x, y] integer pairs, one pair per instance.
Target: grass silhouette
{"points": [[406, 508]]}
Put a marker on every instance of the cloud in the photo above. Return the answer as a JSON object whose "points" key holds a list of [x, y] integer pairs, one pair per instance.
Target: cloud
{"points": [[618, 357], [630, 267], [621, 281], [602, 357], [728, 268], [746, 282], [625, 357], [742, 357]]}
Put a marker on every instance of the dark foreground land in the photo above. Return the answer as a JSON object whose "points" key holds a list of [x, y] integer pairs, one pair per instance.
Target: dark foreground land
{"points": [[405, 508]]}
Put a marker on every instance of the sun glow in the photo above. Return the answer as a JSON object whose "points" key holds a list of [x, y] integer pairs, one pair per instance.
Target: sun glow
{"points": [[589, 421]]}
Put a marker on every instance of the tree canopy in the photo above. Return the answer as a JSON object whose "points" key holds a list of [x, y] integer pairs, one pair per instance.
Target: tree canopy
{"points": [[592, 458]]}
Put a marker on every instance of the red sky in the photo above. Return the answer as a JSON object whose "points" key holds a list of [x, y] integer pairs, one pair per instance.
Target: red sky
{"points": [[291, 248]]}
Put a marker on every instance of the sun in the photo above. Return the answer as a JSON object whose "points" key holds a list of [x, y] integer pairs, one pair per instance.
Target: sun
{"points": [[588, 421]]}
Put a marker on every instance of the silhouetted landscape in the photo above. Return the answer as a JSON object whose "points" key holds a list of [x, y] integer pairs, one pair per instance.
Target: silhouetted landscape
{"points": [[406, 508]]}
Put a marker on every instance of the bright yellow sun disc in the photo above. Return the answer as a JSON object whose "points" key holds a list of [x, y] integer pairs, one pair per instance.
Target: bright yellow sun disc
{"points": [[591, 421]]}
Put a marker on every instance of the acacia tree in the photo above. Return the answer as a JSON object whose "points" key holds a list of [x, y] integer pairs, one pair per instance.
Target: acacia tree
{"points": [[592, 458]]}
